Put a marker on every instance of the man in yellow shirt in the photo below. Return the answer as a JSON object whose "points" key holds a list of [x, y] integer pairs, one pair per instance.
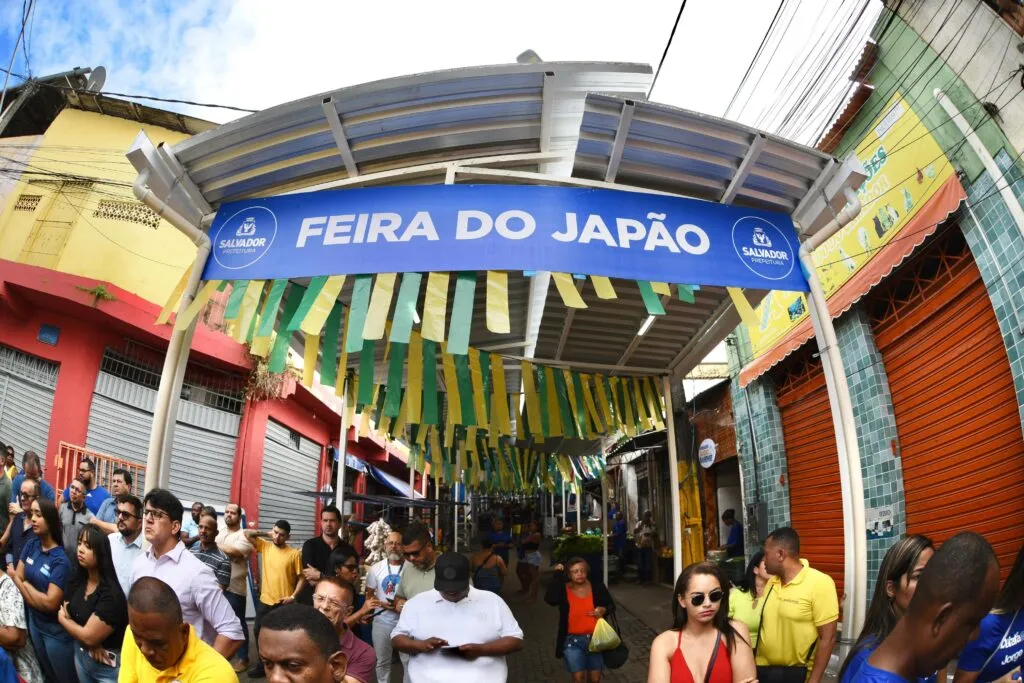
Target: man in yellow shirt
{"points": [[159, 647], [281, 578], [801, 610]]}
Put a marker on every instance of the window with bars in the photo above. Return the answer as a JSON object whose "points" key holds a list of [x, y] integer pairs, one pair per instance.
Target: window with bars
{"points": [[28, 202]]}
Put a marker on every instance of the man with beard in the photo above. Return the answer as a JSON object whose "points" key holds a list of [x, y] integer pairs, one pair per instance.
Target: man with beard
{"points": [[106, 516], [94, 493], [233, 543], [190, 525], [316, 552], [126, 544], [208, 551], [382, 583]]}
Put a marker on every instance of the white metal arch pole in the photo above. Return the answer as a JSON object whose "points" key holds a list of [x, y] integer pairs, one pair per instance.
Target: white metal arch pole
{"points": [[339, 475], [579, 507], [565, 508], [673, 480], [437, 506], [604, 520], [412, 485], [455, 517]]}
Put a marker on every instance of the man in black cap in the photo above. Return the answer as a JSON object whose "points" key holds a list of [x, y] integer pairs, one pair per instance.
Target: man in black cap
{"points": [[456, 632]]}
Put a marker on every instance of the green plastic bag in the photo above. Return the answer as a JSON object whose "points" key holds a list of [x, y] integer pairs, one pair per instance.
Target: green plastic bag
{"points": [[604, 638]]}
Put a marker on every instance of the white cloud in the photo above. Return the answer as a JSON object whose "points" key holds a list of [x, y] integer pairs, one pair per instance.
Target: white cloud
{"points": [[257, 53]]}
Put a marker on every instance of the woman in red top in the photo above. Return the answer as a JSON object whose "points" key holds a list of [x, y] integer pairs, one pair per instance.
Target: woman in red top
{"points": [[703, 644], [581, 601]]}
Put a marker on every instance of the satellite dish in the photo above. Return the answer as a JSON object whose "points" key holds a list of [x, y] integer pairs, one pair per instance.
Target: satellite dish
{"points": [[97, 77], [529, 57]]}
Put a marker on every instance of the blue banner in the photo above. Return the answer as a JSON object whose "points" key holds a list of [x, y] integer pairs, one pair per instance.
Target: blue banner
{"points": [[504, 227]]}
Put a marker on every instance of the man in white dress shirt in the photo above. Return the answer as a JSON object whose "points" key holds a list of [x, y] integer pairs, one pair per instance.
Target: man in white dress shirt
{"points": [[456, 632]]}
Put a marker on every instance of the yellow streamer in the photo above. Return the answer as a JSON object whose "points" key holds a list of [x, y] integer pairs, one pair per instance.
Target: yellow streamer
{"points": [[661, 288], [260, 346], [421, 435], [250, 302], [350, 404], [588, 401], [451, 387], [414, 379], [554, 410], [174, 298], [476, 376], [471, 443], [314, 321], [449, 433], [532, 400], [603, 287], [653, 405], [567, 374], [380, 304], [434, 306], [630, 423], [435, 453], [500, 420], [364, 422], [343, 359], [567, 288], [309, 355], [497, 302], [641, 404], [602, 399], [202, 298], [739, 301]]}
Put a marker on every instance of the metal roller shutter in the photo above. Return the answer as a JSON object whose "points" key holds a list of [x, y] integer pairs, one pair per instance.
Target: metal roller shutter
{"points": [[27, 384], [203, 451], [956, 409], [286, 470], [815, 491]]}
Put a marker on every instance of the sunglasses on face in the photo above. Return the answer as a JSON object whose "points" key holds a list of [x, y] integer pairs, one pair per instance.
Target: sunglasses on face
{"points": [[715, 596], [124, 514], [27, 496]]}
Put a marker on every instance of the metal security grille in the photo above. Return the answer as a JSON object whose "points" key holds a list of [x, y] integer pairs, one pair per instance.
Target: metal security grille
{"points": [[287, 470], [27, 385]]}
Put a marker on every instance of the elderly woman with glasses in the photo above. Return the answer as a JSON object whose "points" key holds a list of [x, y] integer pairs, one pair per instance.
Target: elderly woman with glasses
{"points": [[19, 529], [344, 564]]}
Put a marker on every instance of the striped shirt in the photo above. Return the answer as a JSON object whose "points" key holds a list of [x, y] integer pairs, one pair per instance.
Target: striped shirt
{"points": [[215, 559]]}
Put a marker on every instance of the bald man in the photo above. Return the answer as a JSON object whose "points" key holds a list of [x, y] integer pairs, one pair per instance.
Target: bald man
{"points": [[298, 643], [160, 646]]}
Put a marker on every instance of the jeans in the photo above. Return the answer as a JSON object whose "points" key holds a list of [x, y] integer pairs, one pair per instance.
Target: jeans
{"points": [[262, 610], [382, 647], [55, 649], [644, 560], [91, 671], [577, 656], [237, 603]]}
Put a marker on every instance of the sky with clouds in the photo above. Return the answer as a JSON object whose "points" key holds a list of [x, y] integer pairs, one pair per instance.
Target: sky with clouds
{"points": [[257, 53]]}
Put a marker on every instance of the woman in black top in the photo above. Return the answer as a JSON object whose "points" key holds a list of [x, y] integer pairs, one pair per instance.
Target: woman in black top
{"points": [[96, 612]]}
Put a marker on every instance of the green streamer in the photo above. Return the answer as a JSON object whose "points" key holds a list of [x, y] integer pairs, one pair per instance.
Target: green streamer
{"points": [[396, 367], [405, 308], [250, 335], [316, 283], [581, 408], [366, 368], [651, 299], [329, 362], [357, 313], [685, 293], [545, 412], [564, 407], [465, 381], [279, 352], [462, 315], [269, 308], [234, 304], [485, 370], [430, 414]]}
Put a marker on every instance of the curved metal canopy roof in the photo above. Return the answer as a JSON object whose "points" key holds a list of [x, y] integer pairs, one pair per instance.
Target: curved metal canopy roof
{"points": [[548, 123]]}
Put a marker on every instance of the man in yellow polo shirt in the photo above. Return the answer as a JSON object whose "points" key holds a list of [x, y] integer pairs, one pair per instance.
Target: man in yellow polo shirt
{"points": [[160, 647], [801, 612], [281, 578]]}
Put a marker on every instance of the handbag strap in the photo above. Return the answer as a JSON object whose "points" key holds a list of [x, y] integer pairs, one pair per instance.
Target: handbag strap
{"points": [[1005, 633], [476, 574], [760, 621], [714, 658]]}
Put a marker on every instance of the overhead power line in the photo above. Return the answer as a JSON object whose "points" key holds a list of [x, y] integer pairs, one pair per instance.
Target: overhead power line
{"points": [[14, 52], [668, 44], [757, 55]]}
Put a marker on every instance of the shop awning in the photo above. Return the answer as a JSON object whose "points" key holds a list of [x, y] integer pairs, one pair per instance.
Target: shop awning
{"points": [[922, 226], [395, 484]]}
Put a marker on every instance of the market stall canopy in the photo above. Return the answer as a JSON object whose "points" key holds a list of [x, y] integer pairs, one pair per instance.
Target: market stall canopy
{"points": [[574, 125]]}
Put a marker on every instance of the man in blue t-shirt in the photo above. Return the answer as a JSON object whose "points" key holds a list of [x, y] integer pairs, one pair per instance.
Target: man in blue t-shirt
{"points": [[734, 544], [501, 540], [32, 469], [999, 647], [956, 590], [94, 493]]}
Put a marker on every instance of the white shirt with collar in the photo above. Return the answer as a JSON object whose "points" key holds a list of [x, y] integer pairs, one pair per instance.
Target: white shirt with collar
{"points": [[480, 617], [124, 555]]}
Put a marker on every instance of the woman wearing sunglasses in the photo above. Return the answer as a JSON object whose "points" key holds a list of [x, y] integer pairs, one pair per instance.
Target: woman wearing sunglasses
{"points": [[703, 644], [581, 602], [344, 563]]}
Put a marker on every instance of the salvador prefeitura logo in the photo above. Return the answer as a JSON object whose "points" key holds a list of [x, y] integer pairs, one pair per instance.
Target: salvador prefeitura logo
{"points": [[763, 248], [245, 237]]}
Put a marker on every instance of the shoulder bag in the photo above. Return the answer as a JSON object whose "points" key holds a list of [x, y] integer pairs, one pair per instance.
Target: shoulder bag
{"points": [[776, 674], [714, 658], [617, 656]]}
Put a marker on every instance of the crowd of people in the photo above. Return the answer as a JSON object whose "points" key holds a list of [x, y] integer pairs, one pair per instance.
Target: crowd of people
{"points": [[103, 586]]}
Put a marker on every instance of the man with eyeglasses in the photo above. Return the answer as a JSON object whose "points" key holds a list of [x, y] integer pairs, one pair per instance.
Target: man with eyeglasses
{"points": [[32, 469], [334, 599], [202, 601], [127, 543], [73, 516], [19, 532], [455, 632], [106, 516], [94, 493]]}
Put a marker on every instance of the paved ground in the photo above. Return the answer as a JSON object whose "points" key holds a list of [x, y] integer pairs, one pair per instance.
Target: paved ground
{"points": [[536, 662]]}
